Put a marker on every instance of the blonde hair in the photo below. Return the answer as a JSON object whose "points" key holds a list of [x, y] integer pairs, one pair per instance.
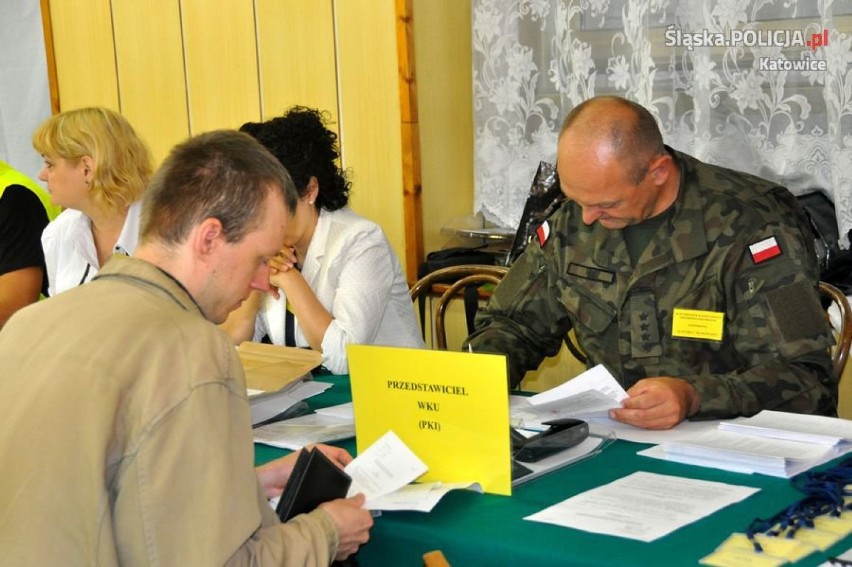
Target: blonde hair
{"points": [[122, 163]]}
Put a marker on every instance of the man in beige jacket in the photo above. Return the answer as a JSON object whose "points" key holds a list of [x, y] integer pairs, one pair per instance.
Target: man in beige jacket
{"points": [[126, 434]]}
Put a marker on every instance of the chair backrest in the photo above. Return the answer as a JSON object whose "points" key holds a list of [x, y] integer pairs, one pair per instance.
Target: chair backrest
{"points": [[843, 332], [457, 278]]}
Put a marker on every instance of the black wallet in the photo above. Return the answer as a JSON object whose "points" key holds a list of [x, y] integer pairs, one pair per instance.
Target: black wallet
{"points": [[315, 479]]}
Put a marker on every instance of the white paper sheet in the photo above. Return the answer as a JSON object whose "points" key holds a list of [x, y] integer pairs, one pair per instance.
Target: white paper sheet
{"points": [[683, 430], [597, 379], [387, 465], [591, 393], [817, 429], [266, 405], [744, 453], [298, 432], [340, 411], [642, 506], [420, 497]]}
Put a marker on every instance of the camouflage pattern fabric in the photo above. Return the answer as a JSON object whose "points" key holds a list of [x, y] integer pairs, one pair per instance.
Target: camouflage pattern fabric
{"points": [[773, 352]]}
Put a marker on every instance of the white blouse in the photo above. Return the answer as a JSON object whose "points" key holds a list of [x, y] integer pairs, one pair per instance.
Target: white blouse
{"points": [[69, 247], [357, 277]]}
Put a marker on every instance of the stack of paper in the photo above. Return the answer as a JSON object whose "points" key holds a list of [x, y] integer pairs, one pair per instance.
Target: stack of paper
{"points": [[272, 373], [745, 453], [590, 394], [771, 443], [815, 429], [326, 425]]}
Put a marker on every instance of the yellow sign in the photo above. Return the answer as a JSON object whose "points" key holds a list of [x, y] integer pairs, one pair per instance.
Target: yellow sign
{"points": [[695, 324], [450, 408]]}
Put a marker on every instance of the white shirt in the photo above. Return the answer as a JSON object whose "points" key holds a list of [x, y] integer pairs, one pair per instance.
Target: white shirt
{"points": [[69, 247], [357, 277]]}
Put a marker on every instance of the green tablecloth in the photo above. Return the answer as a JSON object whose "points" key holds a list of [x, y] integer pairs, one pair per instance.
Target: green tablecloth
{"points": [[485, 529]]}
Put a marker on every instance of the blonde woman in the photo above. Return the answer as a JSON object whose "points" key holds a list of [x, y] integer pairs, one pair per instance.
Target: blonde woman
{"points": [[96, 167]]}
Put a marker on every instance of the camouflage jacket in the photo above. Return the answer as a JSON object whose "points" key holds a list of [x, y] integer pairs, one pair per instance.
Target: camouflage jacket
{"points": [[736, 254]]}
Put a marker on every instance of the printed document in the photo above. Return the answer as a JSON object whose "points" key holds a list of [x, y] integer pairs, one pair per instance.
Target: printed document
{"points": [[383, 473], [266, 405], [643, 506], [327, 424], [420, 497], [744, 453], [771, 443], [386, 466], [817, 429], [591, 393]]}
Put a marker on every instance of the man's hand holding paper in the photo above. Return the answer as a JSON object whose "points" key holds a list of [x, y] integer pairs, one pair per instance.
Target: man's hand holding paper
{"points": [[592, 393], [657, 403]]}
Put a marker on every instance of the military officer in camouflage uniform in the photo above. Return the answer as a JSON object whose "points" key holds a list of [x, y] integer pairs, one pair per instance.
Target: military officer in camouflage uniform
{"points": [[695, 285]]}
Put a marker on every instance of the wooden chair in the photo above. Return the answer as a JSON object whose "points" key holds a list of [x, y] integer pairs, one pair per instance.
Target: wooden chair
{"points": [[457, 279], [843, 336]]}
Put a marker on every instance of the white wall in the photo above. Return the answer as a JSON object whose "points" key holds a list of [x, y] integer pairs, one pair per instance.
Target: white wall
{"points": [[24, 88]]}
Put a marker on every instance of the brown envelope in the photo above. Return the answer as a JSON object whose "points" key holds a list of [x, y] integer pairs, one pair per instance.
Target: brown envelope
{"points": [[272, 367]]}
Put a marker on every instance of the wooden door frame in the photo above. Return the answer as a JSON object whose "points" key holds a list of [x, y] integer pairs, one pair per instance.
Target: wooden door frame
{"points": [[409, 127]]}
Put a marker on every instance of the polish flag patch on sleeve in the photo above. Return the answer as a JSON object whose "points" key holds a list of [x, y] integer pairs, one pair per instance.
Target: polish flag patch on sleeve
{"points": [[764, 250], [543, 233]]}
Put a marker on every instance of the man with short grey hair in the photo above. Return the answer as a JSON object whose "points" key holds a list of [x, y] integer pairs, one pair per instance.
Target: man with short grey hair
{"points": [[695, 285]]}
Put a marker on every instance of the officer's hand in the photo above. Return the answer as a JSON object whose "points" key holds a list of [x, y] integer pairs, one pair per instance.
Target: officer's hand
{"points": [[657, 403]]}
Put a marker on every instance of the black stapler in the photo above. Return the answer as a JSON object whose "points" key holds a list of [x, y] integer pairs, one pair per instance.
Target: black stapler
{"points": [[562, 434]]}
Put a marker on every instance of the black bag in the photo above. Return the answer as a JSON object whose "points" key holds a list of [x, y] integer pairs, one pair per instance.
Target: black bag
{"points": [[544, 198], [454, 257], [835, 264], [823, 220]]}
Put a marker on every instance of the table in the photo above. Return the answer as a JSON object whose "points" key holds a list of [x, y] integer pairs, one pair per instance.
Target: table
{"points": [[486, 529]]}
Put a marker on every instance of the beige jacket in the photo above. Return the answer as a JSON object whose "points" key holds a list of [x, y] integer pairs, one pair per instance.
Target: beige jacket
{"points": [[126, 436]]}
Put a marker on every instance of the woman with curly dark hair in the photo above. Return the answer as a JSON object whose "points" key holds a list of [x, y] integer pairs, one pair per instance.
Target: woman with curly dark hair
{"points": [[336, 280]]}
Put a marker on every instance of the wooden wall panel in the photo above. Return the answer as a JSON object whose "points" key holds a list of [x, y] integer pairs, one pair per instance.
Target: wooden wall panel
{"points": [[442, 32], [221, 63], [191, 66], [85, 57], [152, 89], [369, 112], [296, 51]]}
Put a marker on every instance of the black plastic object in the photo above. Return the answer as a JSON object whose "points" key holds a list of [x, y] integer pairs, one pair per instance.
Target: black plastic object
{"points": [[562, 434]]}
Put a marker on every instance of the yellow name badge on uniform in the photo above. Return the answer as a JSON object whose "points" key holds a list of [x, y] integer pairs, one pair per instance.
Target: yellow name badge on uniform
{"points": [[450, 408], [696, 324]]}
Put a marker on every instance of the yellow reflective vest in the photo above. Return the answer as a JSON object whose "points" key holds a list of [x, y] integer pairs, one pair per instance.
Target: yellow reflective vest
{"points": [[9, 176]]}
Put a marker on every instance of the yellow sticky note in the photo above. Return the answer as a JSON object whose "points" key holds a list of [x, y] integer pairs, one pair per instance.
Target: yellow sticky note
{"points": [[738, 551], [778, 547], [450, 408], [741, 558], [820, 539], [841, 526], [696, 324]]}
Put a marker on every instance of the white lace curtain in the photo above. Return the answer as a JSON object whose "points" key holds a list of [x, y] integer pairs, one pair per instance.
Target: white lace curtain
{"points": [[749, 105]]}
